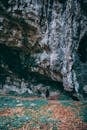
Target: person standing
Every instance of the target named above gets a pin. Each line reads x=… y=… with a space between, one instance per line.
x=47 y=94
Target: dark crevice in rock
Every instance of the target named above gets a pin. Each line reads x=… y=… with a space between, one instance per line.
x=5 y=3
x=82 y=49
x=84 y=6
x=62 y=1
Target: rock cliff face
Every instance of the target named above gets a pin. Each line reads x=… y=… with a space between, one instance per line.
x=47 y=37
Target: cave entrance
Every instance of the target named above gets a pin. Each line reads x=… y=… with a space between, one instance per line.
x=82 y=49
x=10 y=60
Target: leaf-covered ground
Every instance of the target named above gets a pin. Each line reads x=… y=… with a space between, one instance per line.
x=18 y=113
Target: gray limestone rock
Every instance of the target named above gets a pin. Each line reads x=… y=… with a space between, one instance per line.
x=47 y=37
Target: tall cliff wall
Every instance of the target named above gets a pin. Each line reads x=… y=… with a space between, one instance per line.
x=47 y=37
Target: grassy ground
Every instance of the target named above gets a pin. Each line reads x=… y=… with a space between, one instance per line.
x=20 y=113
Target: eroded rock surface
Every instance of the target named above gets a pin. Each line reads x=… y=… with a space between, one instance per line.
x=47 y=37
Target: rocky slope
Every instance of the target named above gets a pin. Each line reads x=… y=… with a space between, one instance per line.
x=47 y=37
